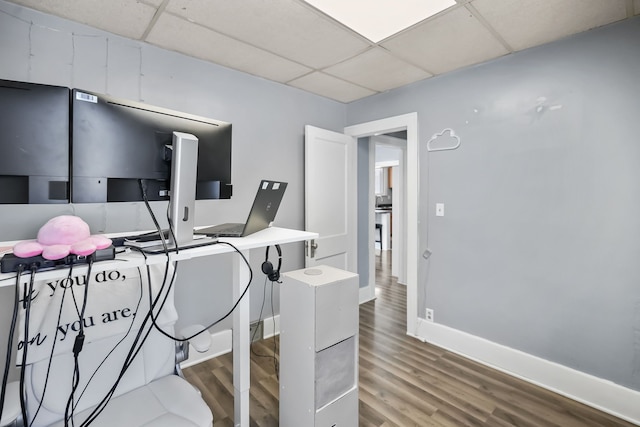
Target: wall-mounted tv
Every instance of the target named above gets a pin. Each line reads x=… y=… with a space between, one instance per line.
x=117 y=142
x=34 y=143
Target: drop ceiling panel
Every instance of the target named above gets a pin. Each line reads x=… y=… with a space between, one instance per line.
x=128 y=18
x=331 y=87
x=527 y=23
x=284 y=27
x=378 y=70
x=447 y=42
x=174 y=33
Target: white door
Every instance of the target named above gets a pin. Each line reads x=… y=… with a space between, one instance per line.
x=330 y=198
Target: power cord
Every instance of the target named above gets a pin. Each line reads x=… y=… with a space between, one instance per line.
x=53 y=347
x=77 y=348
x=12 y=328
x=26 y=305
x=251 y=346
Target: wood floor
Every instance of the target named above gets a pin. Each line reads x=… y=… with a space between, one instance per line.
x=402 y=381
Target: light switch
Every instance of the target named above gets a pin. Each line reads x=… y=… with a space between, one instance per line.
x=439 y=209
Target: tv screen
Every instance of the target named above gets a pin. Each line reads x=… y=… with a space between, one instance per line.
x=34 y=143
x=117 y=142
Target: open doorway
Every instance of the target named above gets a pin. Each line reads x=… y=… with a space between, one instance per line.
x=389 y=207
x=366 y=221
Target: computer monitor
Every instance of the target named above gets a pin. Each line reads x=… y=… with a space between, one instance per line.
x=116 y=143
x=34 y=143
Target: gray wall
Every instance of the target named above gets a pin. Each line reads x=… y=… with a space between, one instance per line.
x=540 y=244
x=268 y=124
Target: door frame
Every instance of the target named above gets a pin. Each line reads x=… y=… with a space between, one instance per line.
x=391 y=124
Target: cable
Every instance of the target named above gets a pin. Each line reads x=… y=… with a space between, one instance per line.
x=53 y=347
x=143 y=189
x=133 y=351
x=77 y=348
x=26 y=304
x=235 y=305
x=251 y=347
x=12 y=328
x=95 y=372
x=275 y=345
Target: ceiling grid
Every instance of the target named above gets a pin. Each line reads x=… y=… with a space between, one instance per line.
x=294 y=43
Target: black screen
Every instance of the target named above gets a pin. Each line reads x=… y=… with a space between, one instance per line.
x=116 y=143
x=34 y=143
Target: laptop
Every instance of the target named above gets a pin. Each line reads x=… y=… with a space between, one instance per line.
x=263 y=212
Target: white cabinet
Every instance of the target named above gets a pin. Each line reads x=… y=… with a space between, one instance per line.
x=319 y=348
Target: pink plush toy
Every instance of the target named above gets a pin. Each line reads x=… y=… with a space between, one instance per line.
x=61 y=236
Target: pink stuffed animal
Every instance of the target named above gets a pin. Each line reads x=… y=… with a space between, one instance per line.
x=61 y=236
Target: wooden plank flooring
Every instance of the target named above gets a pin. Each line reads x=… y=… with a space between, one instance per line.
x=402 y=381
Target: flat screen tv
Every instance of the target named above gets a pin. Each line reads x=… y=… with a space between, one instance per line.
x=117 y=142
x=34 y=143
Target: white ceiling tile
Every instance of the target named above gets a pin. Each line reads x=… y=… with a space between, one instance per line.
x=378 y=70
x=330 y=87
x=527 y=23
x=450 y=41
x=128 y=18
x=285 y=27
x=174 y=33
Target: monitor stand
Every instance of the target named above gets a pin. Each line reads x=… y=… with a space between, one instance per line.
x=182 y=196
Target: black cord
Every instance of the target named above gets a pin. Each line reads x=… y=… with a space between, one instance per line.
x=26 y=303
x=53 y=347
x=235 y=305
x=104 y=360
x=138 y=342
x=77 y=348
x=12 y=328
x=264 y=299
x=276 y=366
x=143 y=189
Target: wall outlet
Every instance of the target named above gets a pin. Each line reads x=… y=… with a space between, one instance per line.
x=429 y=315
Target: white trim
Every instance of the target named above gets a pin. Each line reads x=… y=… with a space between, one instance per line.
x=220 y=344
x=410 y=123
x=271 y=326
x=596 y=392
x=387 y=164
x=222 y=341
x=365 y=294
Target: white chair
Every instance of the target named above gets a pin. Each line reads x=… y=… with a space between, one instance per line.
x=150 y=393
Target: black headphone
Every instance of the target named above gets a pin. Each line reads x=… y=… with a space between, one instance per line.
x=267 y=267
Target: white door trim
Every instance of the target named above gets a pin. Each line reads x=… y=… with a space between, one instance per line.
x=410 y=123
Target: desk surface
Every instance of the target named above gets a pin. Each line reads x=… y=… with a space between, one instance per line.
x=267 y=237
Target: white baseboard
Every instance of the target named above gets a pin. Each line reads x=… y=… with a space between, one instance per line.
x=596 y=392
x=365 y=295
x=221 y=343
x=271 y=326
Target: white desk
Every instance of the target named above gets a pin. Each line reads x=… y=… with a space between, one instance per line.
x=241 y=315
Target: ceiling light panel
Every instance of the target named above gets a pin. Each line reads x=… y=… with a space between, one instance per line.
x=287 y=28
x=382 y=18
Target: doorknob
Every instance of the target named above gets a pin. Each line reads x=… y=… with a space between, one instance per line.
x=311 y=248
